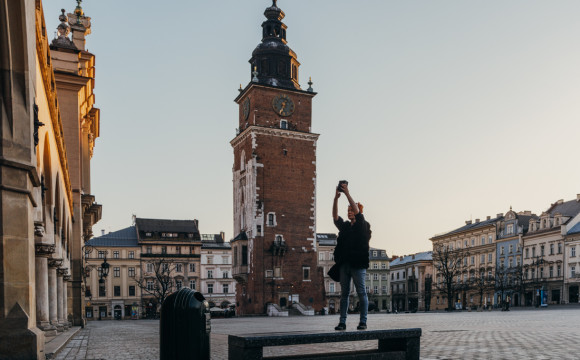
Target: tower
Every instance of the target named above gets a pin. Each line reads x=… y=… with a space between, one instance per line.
x=274 y=181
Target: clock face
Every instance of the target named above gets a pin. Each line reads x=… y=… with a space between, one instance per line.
x=246 y=108
x=283 y=105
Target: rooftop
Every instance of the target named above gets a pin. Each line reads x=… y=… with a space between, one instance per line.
x=422 y=256
x=122 y=238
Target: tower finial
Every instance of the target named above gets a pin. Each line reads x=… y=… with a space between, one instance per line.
x=310 y=89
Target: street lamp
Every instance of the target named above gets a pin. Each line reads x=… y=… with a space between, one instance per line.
x=103 y=275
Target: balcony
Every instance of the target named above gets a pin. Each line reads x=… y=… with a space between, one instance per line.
x=240 y=273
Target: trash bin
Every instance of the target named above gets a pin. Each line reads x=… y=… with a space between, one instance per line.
x=185 y=326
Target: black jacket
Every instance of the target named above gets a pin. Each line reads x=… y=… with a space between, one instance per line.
x=352 y=245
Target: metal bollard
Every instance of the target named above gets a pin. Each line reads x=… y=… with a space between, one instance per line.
x=185 y=326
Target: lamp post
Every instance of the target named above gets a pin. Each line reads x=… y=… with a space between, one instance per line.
x=103 y=275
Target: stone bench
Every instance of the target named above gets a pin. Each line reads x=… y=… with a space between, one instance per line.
x=393 y=344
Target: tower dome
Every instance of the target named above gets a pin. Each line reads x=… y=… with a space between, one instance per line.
x=273 y=60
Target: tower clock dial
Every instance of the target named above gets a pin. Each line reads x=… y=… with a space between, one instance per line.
x=246 y=108
x=283 y=105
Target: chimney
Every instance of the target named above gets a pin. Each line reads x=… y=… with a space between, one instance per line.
x=221 y=238
x=102 y=232
x=196 y=222
x=499 y=215
x=477 y=221
x=413 y=256
x=560 y=202
x=467 y=222
x=488 y=217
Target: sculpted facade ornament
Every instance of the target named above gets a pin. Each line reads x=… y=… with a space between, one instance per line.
x=55 y=263
x=63 y=30
x=39 y=229
x=44 y=249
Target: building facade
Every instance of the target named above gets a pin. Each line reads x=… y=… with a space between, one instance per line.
x=378 y=281
x=217 y=283
x=509 y=282
x=571 y=262
x=274 y=180
x=411 y=282
x=117 y=294
x=326 y=243
x=544 y=256
x=170 y=259
x=462 y=257
x=41 y=184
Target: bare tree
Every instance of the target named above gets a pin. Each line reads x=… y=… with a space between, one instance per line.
x=159 y=283
x=505 y=281
x=482 y=284
x=449 y=266
x=520 y=283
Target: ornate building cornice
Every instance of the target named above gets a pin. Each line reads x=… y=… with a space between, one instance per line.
x=285 y=133
x=49 y=82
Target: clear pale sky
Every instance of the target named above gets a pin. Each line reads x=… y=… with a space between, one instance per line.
x=436 y=112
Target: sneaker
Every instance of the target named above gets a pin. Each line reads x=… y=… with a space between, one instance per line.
x=361 y=326
x=340 y=326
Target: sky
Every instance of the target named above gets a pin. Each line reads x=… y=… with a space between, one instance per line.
x=436 y=112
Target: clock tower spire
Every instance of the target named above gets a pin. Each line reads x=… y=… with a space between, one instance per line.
x=274 y=180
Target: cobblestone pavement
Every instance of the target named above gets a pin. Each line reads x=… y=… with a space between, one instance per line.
x=523 y=334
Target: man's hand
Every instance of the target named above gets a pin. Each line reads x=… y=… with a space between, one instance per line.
x=345 y=189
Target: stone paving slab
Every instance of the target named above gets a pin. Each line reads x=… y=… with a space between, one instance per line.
x=526 y=334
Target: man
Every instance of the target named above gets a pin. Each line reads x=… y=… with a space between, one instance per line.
x=352 y=255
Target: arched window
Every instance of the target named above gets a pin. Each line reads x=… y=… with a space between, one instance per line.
x=243 y=161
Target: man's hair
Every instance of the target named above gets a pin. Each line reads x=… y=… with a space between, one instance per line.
x=360 y=207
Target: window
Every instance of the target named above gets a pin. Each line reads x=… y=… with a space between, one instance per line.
x=191 y=268
x=225 y=274
x=149 y=249
x=383 y=266
x=375 y=253
x=210 y=259
x=116 y=290
x=331 y=287
x=192 y=284
x=101 y=254
x=225 y=260
x=259 y=229
x=178 y=249
x=482 y=258
x=490 y=257
x=131 y=254
x=465 y=261
x=501 y=251
x=384 y=289
x=483 y=240
x=149 y=267
x=277 y=272
x=178 y=284
x=192 y=249
x=534 y=251
x=533 y=273
x=131 y=272
x=511 y=248
x=510 y=229
x=511 y=262
x=405 y=274
x=305 y=273
x=117 y=272
x=210 y=274
x=148 y=234
x=179 y=267
x=269 y=273
x=165 y=268
x=225 y=288
x=102 y=291
x=393 y=276
x=368 y=289
x=244 y=254
x=542 y=250
x=87 y=254
x=375 y=276
x=115 y=254
x=489 y=239
x=321 y=256
x=472 y=241
x=283 y=124
x=527 y=253
x=465 y=243
x=573 y=271
x=551 y=271
x=541 y=273
x=384 y=277
x=376 y=289
x=210 y=288
x=164 y=249
x=573 y=251
x=559 y=270
x=375 y=266
x=132 y=290
x=551 y=249
x=473 y=260
x=271 y=219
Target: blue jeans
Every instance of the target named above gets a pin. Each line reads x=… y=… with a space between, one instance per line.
x=358 y=277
